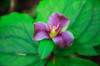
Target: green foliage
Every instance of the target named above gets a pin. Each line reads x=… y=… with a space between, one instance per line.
x=74 y=49
x=16 y=44
x=16 y=33
x=45 y=48
x=84 y=19
x=71 y=62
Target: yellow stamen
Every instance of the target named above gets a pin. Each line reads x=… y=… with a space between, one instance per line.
x=53 y=32
x=50 y=28
x=54 y=27
x=58 y=31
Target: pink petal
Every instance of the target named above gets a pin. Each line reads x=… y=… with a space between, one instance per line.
x=56 y=19
x=41 y=31
x=68 y=38
x=41 y=26
x=59 y=41
x=40 y=35
x=64 y=39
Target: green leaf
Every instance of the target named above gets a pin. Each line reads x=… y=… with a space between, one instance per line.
x=15 y=60
x=71 y=62
x=45 y=48
x=16 y=44
x=64 y=52
x=84 y=19
x=74 y=49
x=85 y=50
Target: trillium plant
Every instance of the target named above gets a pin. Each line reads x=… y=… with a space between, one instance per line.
x=56 y=37
x=55 y=29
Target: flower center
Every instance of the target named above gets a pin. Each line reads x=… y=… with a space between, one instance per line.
x=54 y=31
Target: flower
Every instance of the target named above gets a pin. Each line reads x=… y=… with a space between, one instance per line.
x=55 y=29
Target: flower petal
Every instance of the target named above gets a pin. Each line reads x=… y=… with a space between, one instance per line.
x=59 y=41
x=40 y=26
x=41 y=31
x=40 y=35
x=68 y=38
x=58 y=19
x=64 y=39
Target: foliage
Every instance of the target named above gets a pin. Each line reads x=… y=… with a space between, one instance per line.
x=71 y=62
x=84 y=19
x=45 y=48
x=17 y=30
x=16 y=44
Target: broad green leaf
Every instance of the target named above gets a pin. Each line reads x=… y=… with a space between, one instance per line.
x=16 y=44
x=84 y=19
x=45 y=48
x=16 y=33
x=74 y=49
x=85 y=50
x=64 y=52
x=15 y=60
x=71 y=62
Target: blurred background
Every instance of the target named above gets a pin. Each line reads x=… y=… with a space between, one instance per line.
x=29 y=7
x=21 y=6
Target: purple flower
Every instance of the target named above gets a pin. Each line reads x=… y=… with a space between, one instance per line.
x=55 y=29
